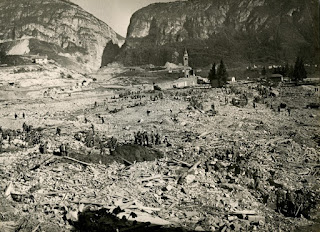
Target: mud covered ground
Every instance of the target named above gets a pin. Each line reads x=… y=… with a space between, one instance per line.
x=228 y=169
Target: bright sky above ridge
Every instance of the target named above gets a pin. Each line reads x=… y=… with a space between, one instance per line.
x=116 y=13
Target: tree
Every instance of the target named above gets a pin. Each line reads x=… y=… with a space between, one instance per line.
x=264 y=71
x=286 y=70
x=212 y=74
x=2 y=57
x=290 y=72
x=299 y=72
x=222 y=74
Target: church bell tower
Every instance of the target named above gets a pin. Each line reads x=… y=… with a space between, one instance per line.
x=186 y=63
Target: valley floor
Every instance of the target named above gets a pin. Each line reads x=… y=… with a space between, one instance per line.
x=228 y=169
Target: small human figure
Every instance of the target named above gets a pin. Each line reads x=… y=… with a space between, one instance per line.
x=23 y=115
x=139 y=139
x=146 y=139
x=43 y=147
x=58 y=131
x=113 y=143
x=63 y=150
x=135 y=138
x=102 y=149
x=67 y=149
x=152 y=138
x=1 y=144
x=24 y=126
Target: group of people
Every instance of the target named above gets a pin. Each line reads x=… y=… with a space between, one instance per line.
x=64 y=149
x=28 y=135
x=147 y=139
x=157 y=96
x=16 y=115
x=294 y=203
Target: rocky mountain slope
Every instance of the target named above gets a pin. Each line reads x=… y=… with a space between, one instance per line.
x=66 y=31
x=246 y=31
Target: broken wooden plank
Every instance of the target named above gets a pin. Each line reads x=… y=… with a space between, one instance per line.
x=151 y=178
x=77 y=161
x=126 y=161
x=243 y=212
x=145 y=217
x=42 y=163
x=184 y=175
x=182 y=162
x=9 y=189
x=36 y=228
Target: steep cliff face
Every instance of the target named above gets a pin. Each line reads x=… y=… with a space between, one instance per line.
x=236 y=30
x=57 y=22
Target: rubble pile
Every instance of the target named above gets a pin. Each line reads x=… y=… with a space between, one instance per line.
x=248 y=168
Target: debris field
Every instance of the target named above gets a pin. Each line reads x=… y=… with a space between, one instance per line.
x=226 y=159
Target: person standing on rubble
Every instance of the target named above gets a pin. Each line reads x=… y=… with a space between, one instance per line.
x=158 y=139
x=58 y=131
x=10 y=137
x=67 y=149
x=1 y=140
x=41 y=148
x=281 y=200
x=291 y=196
x=256 y=178
x=146 y=138
x=63 y=149
x=24 y=126
x=135 y=138
x=92 y=128
x=113 y=143
x=139 y=140
x=23 y=115
x=142 y=139
x=152 y=137
x=102 y=148
x=165 y=139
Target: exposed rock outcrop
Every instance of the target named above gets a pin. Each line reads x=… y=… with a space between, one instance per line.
x=80 y=35
x=236 y=30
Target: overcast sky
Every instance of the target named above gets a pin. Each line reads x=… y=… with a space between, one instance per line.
x=116 y=13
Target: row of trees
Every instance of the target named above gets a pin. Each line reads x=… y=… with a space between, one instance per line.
x=218 y=76
x=296 y=73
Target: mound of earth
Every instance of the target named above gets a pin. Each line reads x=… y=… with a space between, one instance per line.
x=103 y=221
x=124 y=154
x=132 y=153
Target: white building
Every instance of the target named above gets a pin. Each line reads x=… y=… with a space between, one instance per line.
x=40 y=59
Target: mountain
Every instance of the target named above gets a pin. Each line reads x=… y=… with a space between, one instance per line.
x=57 y=28
x=239 y=31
